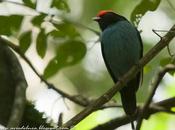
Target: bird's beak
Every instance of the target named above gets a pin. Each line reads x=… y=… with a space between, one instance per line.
x=96 y=18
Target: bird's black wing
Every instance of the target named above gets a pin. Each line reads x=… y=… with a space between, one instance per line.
x=107 y=65
x=140 y=74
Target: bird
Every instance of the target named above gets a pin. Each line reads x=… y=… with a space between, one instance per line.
x=122 y=48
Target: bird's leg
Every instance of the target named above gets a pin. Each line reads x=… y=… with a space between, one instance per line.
x=135 y=114
x=138 y=65
x=132 y=125
x=131 y=117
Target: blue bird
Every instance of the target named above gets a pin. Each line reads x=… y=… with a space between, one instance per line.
x=122 y=48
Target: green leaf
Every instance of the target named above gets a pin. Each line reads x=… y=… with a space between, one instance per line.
x=41 y=43
x=57 y=34
x=10 y=24
x=142 y=8
x=147 y=69
x=60 y=5
x=15 y=21
x=38 y=20
x=52 y=68
x=68 y=54
x=29 y=3
x=165 y=61
x=25 y=40
x=67 y=29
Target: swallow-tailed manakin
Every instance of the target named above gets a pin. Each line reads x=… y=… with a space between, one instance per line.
x=122 y=48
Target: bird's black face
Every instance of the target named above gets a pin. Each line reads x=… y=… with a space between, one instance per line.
x=106 y=18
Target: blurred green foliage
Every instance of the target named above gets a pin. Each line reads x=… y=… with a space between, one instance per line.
x=67 y=29
x=29 y=3
x=68 y=53
x=41 y=43
x=143 y=7
x=10 y=24
x=61 y=5
x=38 y=20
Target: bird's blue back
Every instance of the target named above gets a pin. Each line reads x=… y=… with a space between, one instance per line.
x=122 y=48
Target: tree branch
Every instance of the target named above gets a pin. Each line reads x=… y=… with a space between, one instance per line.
x=154 y=86
x=123 y=120
x=127 y=77
x=78 y=100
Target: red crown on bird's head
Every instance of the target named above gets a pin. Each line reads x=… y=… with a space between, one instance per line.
x=103 y=12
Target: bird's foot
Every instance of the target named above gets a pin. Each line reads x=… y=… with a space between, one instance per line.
x=120 y=79
x=138 y=66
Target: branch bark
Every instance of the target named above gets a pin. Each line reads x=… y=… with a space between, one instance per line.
x=128 y=76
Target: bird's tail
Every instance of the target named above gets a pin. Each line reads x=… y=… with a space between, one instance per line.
x=128 y=98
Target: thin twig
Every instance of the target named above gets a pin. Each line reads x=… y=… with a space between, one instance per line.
x=119 y=85
x=82 y=26
x=162 y=109
x=154 y=86
x=155 y=31
x=66 y=20
x=168 y=48
x=169 y=51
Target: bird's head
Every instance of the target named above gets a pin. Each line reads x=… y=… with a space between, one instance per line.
x=106 y=18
